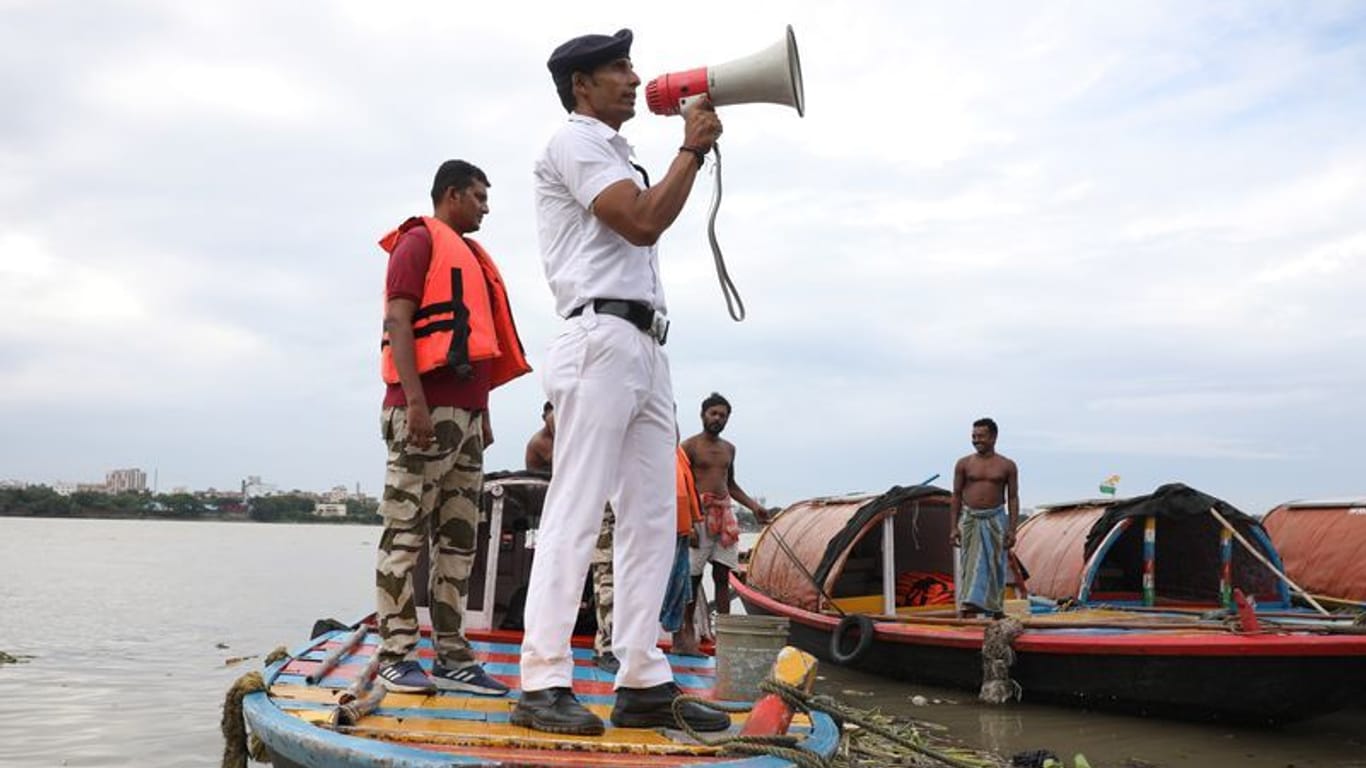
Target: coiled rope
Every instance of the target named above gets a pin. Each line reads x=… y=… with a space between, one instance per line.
x=236 y=745
x=786 y=747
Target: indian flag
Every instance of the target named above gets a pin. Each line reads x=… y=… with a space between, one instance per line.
x=1107 y=486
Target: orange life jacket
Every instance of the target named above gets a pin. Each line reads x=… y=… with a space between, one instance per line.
x=918 y=588
x=464 y=315
x=689 y=508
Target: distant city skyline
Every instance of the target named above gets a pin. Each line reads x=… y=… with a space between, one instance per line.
x=133 y=480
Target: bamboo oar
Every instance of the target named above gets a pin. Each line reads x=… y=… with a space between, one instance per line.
x=1045 y=624
x=330 y=660
x=1328 y=629
x=1262 y=559
x=363 y=697
x=1342 y=601
x=363 y=680
x=352 y=711
x=1201 y=611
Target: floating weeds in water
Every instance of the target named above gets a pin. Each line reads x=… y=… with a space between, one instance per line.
x=852 y=692
x=233 y=661
x=5 y=658
x=1079 y=762
x=873 y=739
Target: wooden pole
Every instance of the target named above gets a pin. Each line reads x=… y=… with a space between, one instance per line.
x=1262 y=559
x=1150 y=560
x=1341 y=601
x=1225 y=568
x=1041 y=622
x=1347 y=618
x=330 y=660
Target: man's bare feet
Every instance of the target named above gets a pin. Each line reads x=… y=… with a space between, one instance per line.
x=686 y=646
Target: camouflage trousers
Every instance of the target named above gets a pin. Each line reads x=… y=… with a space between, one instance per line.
x=601 y=566
x=431 y=500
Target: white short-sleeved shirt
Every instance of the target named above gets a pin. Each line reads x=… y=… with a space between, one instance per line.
x=584 y=259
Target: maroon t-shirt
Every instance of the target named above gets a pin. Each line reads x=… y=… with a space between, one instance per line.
x=405 y=279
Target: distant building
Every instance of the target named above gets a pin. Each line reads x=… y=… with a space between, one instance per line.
x=217 y=494
x=337 y=495
x=253 y=486
x=125 y=480
x=64 y=487
x=92 y=488
x=325 y=509
x=17 y=485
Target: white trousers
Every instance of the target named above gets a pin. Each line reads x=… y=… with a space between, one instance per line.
x=614 y=441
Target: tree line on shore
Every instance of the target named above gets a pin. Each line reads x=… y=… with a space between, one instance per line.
x=42 y=501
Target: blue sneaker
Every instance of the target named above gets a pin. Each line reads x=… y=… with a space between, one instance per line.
x=467 y=679
x=405 y=677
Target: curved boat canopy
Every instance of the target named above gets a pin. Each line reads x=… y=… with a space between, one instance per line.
x=1322 y=543
x=1163 y=548
x=836 y=548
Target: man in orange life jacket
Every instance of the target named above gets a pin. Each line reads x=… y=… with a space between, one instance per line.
x=448 y=339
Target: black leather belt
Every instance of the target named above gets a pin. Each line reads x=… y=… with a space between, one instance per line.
x=637 y=313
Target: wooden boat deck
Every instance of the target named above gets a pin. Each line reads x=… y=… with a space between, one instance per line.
x=466 y=729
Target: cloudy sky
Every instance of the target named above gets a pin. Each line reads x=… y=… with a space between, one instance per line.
x=1134 y=233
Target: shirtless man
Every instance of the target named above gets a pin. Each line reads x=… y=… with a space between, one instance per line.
x=718 y=535
x=985 y=483
x=540 y=449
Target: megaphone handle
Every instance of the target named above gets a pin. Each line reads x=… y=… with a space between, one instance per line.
x=734 y=305
x=685 y=103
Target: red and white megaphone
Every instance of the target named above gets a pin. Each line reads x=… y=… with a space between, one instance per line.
x=771 y=76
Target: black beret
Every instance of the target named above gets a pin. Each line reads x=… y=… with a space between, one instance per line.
x=583 y=54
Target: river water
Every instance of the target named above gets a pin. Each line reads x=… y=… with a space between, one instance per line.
x=128 y=626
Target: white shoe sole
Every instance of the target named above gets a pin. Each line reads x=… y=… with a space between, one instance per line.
x=448 y=685
x=398 y=688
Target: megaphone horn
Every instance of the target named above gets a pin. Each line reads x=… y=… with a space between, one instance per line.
x=771 y=76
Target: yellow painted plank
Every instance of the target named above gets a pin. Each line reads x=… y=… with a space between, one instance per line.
x=471 y=733
x=860 y=604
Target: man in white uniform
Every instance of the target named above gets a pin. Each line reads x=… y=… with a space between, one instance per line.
x=608 y=380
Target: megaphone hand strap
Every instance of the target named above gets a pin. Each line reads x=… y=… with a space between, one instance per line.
x=734 y=305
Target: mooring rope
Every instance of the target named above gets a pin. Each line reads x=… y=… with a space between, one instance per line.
x=997 y=658
x=237 y=747
x=785 y=747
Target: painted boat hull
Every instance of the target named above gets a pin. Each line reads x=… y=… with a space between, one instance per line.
x=1234 y=678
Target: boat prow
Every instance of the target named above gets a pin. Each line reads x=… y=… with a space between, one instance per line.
x=296 y=717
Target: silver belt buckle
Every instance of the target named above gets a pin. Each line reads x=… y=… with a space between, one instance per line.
x=659 y=327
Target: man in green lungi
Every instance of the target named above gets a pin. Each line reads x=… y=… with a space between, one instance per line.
x=985 y=484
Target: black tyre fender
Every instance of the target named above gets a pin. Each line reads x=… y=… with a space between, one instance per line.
x=838 y=644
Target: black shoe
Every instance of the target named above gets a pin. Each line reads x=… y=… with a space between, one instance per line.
x=555 y=710
x=607 y=662
x=653 y=708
